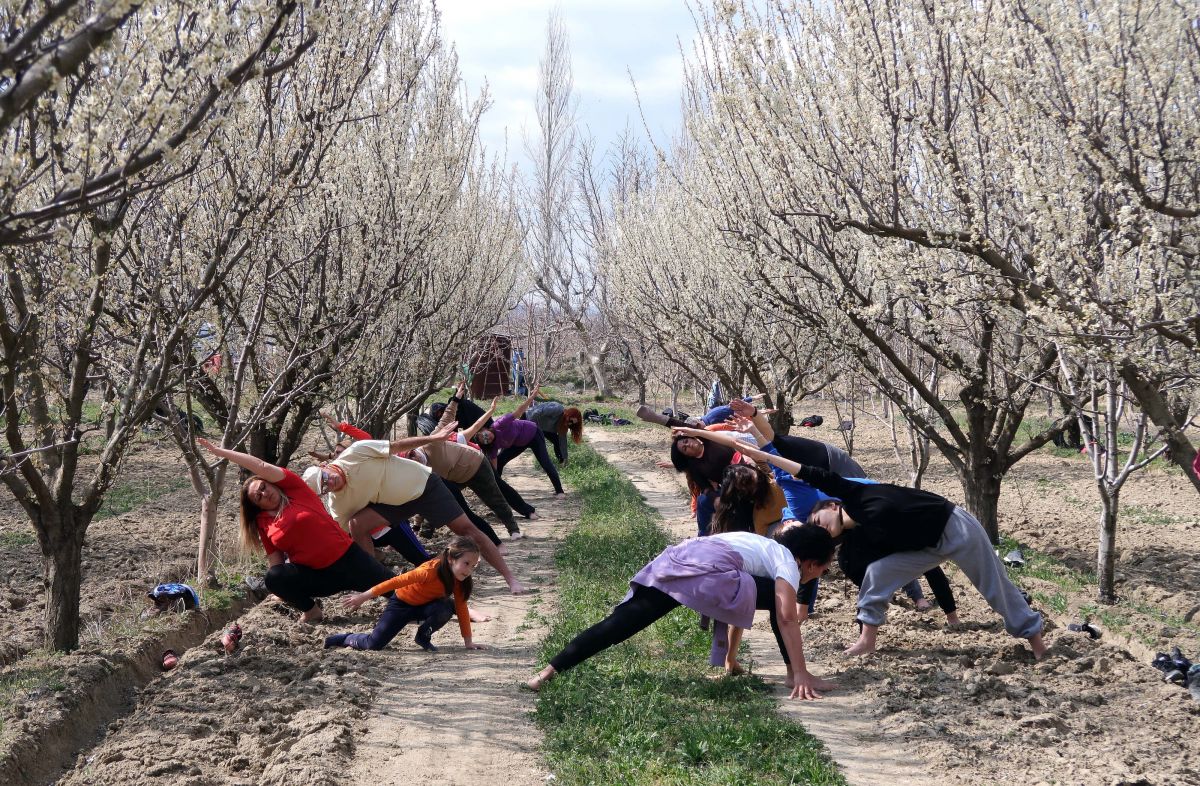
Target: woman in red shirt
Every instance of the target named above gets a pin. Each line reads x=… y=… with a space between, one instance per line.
x=309 y=554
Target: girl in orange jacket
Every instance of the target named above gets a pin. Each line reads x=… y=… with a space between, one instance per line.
x=431 y=594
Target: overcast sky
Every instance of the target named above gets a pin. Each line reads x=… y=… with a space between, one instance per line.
x=501 y=42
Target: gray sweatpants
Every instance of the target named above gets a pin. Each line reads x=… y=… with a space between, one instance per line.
x=965 y=544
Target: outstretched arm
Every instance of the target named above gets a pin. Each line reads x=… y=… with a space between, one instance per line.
x=411 y=443
x=519 y=411
x=748 y=410
x=451 y=410
x=806 y=685
x=252 y=464
x=727 y=438
x=474 y=429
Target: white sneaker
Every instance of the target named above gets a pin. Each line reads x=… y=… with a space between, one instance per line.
x=516 y=535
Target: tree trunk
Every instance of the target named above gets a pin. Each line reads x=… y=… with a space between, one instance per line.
x=981 y=486
x=782 y=420
x=1106 y=557
x=264 y=444
x=642 y=391
x=62 y=564
x=209 y=503
x=596 y=362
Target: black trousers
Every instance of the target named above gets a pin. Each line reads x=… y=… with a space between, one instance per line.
x=646 y=607
x=540 y=452
x=396 y=615
x=514 y=498
x=298 y=585
x=479 y=521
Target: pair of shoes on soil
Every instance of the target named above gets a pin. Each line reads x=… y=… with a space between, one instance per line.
x=1085 y=627
x=1014 y=559
x=1175 y=667
x=424 y=634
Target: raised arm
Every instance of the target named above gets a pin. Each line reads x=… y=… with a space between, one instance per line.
x=448 y=414
x=520 y=411
x=747 y=409
x=420 y=441
x=252 y=464
x=345 y=428
x=474 y=429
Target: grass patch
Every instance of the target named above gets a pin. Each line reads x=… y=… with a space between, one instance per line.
x=125 y=497
x=644 y=712
x=1046 y=568
x=17 y=539
x=1141 y=514
x=35 y=675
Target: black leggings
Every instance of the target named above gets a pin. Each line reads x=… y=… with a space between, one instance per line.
x=479 y=521
x=538 y=446
x=514 y=499
x=299 y=584
x=401 y=538
x=647 y=606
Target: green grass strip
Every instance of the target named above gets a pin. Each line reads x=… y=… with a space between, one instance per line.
x=644 y=712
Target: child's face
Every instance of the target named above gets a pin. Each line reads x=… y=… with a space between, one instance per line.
x=464 y=566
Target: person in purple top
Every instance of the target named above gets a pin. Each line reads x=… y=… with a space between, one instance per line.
x=725 y=577
x=509 y=436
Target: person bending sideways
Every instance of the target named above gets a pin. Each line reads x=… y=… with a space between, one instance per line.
x=725 y=577
x=430 y=595
x=922 y=530
x=556 y=421
x=310 y=556
x=369 y=487
x=509 y=436
x=855 y=553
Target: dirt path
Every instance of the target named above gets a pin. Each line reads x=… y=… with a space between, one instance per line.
x=458 y=717
x=839 y=720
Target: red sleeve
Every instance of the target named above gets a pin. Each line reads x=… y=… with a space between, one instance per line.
x=268 y=547
x=352 y=431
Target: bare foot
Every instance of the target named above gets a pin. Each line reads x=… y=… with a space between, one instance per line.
x=1038 y=646
x=733 y=668
x=478 y=616
x=560 y=493
x=534 y=517
x=500 y=547
x=315 y=615
x=859 y=648
x=536 y=682
x=924 y=605
x=866 y=641
x=952 y=619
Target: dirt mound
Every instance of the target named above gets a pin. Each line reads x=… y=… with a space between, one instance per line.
x=276 y=712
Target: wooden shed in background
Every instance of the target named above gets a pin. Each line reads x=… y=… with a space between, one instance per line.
x=490 y=362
